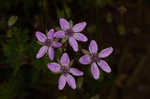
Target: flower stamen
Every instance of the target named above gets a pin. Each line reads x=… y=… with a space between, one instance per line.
x=69 y=32
x=48 y=42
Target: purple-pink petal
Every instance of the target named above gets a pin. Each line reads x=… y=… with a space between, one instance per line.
x=104 y=66
x=93 y=47
x=80 y=37
x=40 y=36
x=50 y=34
x=79 y=27
x=41 y=52
x=85 y=59
x=105 y=52
x=54 y=67
x=51 y=53
x=71 y=81
x=73 y=43
x=65 y=60
x=56 y=44
x=61 y=82
x=59 y=34
x=95 y=71
x=76 y=72
x=64 y=24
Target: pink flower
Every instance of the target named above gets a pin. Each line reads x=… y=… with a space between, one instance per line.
x=65 y=70
x=95 y=59
x=73 y=33
x=48 y=44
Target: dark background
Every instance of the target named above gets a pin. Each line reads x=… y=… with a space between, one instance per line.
x=122 y=24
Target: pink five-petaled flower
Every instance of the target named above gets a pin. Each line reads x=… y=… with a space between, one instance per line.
x=48 y=44
x=72 y=33
x=95 y=58
x=65 y=70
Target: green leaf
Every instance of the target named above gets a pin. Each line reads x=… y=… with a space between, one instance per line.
x=12 y=20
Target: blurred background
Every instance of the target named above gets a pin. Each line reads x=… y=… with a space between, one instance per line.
x=122 y=24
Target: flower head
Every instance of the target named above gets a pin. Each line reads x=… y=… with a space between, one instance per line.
x=49 y=44
x=72 y=33
x=94 y=58
x=64 y=68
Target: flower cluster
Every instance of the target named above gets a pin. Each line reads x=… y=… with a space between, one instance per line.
x=63 y=67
